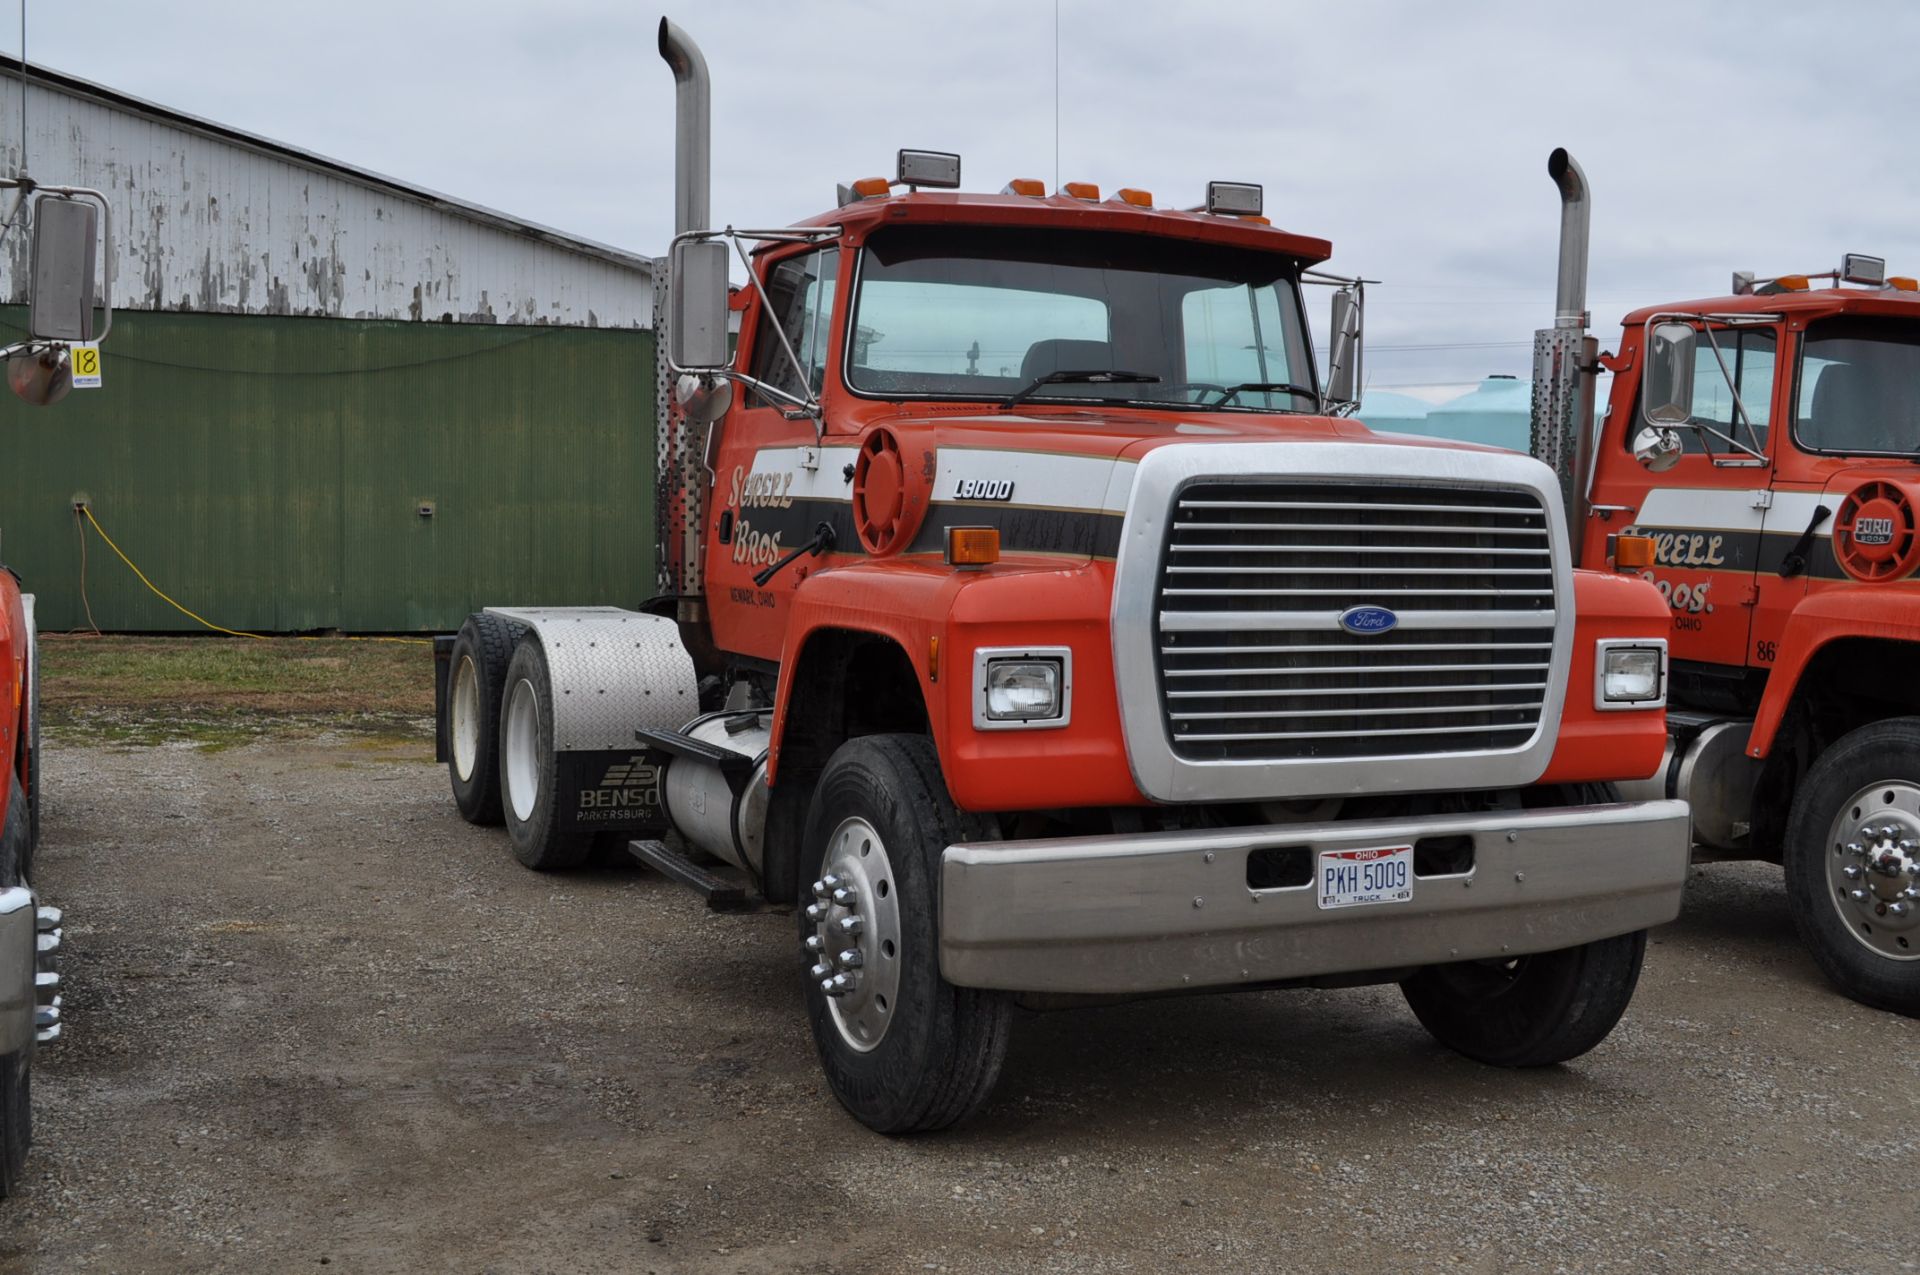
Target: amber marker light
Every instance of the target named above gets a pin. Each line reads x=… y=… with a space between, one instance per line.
x=972 y=546
x=1025 y=186
x=1082 y=190
x=869 y=187
x=1138 y=198
x=933 y=659
x=1631 y=553
x=1901 y=283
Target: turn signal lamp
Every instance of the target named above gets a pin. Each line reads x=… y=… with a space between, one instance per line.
x=1901 y=283
x=1138 y=198
x=1631 y=553
x=973 y=546
x=1025 y=186
x=1082 y=190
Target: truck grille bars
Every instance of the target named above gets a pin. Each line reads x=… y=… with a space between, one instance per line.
x=1255 y=663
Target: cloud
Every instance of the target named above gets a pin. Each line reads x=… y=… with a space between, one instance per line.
x=1725 y=135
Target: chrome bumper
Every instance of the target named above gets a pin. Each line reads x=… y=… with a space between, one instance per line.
x=1161 y=911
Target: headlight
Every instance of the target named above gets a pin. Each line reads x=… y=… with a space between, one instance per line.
x=1630 y=674
x=1021 y=687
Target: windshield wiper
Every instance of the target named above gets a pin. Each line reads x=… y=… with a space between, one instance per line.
x=1269 y=387
x=1112 y=376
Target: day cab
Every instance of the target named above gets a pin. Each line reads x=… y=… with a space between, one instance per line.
x=1035 y=617
x=1769 y=443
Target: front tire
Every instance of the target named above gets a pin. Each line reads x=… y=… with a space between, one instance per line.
x=1853 y=864
x=477 y=677
x=16 y=1068
x=529 y=779
x=904 y=1050
x=1532 y=1010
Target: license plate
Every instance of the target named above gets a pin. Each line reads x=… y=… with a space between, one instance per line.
x=1352 y=878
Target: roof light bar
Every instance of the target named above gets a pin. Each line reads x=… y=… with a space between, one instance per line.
x=1235 y=199
x=937 y=169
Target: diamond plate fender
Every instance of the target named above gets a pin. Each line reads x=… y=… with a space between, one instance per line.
x=614 y=672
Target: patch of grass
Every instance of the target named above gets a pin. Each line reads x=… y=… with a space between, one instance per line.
x=216 y=692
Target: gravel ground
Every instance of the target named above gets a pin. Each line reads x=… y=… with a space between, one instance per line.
x=317 y=1021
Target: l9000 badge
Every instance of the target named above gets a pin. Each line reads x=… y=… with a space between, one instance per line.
x=1367 y=621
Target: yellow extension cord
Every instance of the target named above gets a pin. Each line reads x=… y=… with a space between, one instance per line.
x=200 y=619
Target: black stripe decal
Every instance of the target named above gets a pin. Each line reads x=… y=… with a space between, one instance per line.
x=1082 y=533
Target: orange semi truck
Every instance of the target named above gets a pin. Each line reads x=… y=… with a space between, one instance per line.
x=1768 y=441
x=1034 y=619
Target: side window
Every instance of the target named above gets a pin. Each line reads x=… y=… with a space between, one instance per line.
x=1749 y=358
x=801 y=292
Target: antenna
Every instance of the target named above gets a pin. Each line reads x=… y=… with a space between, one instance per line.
x=1056 y=83
x=23 y=89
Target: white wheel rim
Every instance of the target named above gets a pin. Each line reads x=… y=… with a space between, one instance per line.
x=466 y=717
x=521 y=753
x=864 y=1006
x=1873 y=868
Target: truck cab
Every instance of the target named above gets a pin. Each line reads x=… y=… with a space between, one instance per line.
x=1768 y=441
x=1037 y=622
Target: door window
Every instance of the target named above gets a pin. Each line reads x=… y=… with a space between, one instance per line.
x=800 y=290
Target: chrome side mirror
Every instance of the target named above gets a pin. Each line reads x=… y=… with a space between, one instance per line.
x=65 y=235
x=1343 y=348
x=1666 y=388
x=703 y=398
x=697 y=306
x=1657 y=447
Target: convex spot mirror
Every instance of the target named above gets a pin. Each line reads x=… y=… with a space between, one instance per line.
x=1343 y=348
x=1657 y=447
x=697 y=309
x=65 y=240
x=1666 y=389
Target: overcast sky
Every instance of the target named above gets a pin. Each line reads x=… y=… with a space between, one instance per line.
x=1759 y=134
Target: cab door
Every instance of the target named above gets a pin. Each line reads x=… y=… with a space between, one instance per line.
x=772 y=485
x=1708 y=513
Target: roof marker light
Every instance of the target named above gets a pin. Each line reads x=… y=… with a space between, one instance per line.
x=1082 y=190
x=1901 y=283
x=1138 y=198
x=1238 y=199
x=1026 y=186
x=865 y=188
x=1792 y=283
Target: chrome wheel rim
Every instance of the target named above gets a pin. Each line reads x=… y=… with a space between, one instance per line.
x=521 y=773
x=1873 y=868
x=465 y=712
x=855 y=941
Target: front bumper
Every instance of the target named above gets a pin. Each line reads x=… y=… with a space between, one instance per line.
x=1163 y=911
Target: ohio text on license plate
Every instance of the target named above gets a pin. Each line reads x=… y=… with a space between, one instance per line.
x=1349 y=878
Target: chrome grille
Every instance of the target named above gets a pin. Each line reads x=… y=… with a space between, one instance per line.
x=1253 y=662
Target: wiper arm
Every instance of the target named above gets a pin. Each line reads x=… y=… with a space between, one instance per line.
x=1112 y=376
x=1268 y=387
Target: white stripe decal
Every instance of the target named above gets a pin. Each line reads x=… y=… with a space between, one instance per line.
x=1038 y=479
x=1717 y=509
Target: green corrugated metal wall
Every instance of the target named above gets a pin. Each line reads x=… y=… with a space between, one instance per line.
x=268 y=473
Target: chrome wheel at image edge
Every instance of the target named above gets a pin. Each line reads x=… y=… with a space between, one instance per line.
x=1873 y=868
x=855 y=944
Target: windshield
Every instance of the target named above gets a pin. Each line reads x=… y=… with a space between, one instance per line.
x=1860 y=387
x=986 y=313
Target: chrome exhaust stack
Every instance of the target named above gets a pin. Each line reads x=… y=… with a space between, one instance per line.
x=680 y=442
x=1565 y=358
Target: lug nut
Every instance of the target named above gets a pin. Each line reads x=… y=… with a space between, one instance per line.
x=815 y=945
x=827 y=987
x=1854 y=847
x=851 y=926
x=820 y=970
x=833 y=881
x=851 y=959
x=838 y=985
x=1851 y=872
x=49 y=943
x=1897 y=909
x=46 y=919
x=817 y=912
x=46 y=1016
x=845 y=896
x=820 y=890
x=1858 y=896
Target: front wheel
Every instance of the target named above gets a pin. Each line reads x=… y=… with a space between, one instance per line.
x=1531 y=1010
x=16 y=1068
x=1853 y=864
x=904 y=1050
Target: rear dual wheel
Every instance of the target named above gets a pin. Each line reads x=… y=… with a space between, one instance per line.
x=478 y=675
x=527 y=767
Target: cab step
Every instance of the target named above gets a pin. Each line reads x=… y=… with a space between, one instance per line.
x=723 y=893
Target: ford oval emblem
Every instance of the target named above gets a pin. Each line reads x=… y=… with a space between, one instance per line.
x=1367 y=620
